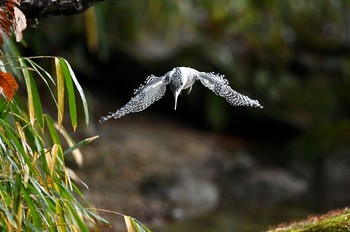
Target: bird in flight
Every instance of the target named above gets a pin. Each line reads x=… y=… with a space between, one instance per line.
x=180 y=78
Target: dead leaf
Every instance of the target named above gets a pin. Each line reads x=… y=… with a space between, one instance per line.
x=5 y=25
x=8 y=84
x=20 y=23
x=11 y=19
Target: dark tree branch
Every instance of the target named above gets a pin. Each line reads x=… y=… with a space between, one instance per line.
x=41 y=8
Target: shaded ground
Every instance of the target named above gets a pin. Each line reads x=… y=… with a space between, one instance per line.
x=161 y=172
x=137 y=159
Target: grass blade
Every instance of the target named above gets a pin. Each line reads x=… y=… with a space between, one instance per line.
x=134 y=225
x=51 y=126
x=71 y=94
x=31 y=206
x=34 y=103
x=139 y=226
x=69 y=74
x=79 y=144
x=129 y=225
x=76 y=152
x=60 y=91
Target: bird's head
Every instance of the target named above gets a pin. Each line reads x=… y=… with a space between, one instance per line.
x=176 y=82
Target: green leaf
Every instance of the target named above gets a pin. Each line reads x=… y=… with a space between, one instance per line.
x=79 y=144
x=60 y=91
x=40 y=71
x=34 y=103
x=11 y=48
x=71 y=94
x=69 y=77
x=31 y=206
x=12 y=140
x=76 y=152
x=62 y=223
x=77 y=218
x=44 y=76
x=139 y=226
x=134 y=225
x=33 y=196
x=80 y=91
x=17 y=201
x=9 y=215
x=51 y=126
x=129 y=224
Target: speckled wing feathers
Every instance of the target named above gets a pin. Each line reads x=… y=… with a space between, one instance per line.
x=151 y=91
x=180 y=78
x=220 y=86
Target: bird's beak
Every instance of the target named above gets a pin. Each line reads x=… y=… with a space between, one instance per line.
x=176 y=94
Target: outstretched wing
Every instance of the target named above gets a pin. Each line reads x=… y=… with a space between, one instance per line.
x=220 y=86
x=152 y=90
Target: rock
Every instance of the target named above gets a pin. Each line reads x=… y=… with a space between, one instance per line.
x=192 y=196
x=248 y=181
x=336 y=177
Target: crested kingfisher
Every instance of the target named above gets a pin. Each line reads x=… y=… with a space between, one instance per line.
x=180 y=78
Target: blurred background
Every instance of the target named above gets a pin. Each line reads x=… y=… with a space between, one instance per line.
x=209 y=166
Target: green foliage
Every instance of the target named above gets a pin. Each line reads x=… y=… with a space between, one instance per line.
x=36 y=190
x=333 y=221
x=133 y=225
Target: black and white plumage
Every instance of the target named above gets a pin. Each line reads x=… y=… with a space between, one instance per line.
x=178 y=79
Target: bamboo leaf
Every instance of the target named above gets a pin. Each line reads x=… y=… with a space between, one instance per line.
x=98 y=217
x=129 y=225
x=17 y=202
x=139 y=226
x=24 y=144
x=36 y=191
x=51 y=158
x=61 y=220
x=44 y=76
x=34 y=103
x=79 y=144
x=51 y=126
x=39 y=70
x=27 y=78
x=77 y=218
x=60 y=90
x=71 y=94
x=11 y=48
x=9 y=215
x=76 y=152
x=31 y=206
x=134 y=225
x=69 y=74
x=12 y=140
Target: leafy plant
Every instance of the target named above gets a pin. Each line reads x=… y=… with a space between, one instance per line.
x=133 y=225
x=36 y=188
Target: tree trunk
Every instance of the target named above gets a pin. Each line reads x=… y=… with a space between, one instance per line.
x=41 y=8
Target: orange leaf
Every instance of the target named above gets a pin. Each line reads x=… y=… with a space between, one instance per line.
x=8 y=84
x=11 y=18
x=5 y=25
